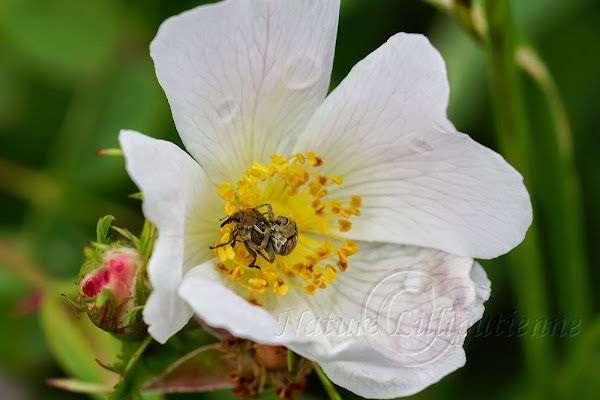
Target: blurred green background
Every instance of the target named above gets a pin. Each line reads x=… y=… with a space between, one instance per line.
x=73 y=73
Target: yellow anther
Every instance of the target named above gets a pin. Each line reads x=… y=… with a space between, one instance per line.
x=278 y=158
x=345 y=226
x=289 y=185
x=354 y=211
x=260 y=167
x=252 y=289
x=253 y=301
x=223 y=268
x=236 y=273
x=222 y=254
x=310 y=288
x=257 y=282
x=336 y=179
x=355 y=201
x=322 y=180
x=229 y=252
x=329 y=275
x=345 y=213
x=279 y=288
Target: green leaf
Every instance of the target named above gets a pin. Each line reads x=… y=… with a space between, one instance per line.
x=201 y=370
x=102 y=229
x=76 y=343
x=75 y=386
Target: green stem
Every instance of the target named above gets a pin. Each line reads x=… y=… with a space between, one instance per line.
x=559 y=199
x=526 y=263
x=563 y=194
x=327 y=384
x=135 y=356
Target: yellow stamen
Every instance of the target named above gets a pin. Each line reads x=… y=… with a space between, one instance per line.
x=296 y=191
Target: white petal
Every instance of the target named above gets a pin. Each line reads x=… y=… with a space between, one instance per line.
x=384 y=131
x=389 y=326
x=244 y=76
x=182 y=203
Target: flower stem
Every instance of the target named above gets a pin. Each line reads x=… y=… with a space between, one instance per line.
x=136 y=355
x=327 y=384
x=516 y=145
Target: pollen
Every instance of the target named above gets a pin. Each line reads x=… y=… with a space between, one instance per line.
x=295 y=190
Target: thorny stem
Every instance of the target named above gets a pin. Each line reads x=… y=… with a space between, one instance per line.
x=327 y=384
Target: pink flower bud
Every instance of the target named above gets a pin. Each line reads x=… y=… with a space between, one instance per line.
x=113 y=288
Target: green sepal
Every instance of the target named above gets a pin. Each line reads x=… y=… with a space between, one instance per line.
x=147 y=239
x=93 y=254
x=128 y=235
x=135 y=329
x=104 y=314
x=137 y=196
x=102 y=229
x=76 y=304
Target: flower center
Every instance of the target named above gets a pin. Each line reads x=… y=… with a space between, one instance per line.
x=305 y=258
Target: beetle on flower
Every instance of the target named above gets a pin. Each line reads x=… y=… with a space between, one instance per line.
x=378 y=181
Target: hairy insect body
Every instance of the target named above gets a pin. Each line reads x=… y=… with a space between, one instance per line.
x=284 y=235
x=275 y=236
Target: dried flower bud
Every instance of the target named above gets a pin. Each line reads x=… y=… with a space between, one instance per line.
x=260 y=367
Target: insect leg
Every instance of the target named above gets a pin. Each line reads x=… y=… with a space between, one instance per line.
x=253 y=254
x=269 y=212
x=232 y=239
x=271 y=252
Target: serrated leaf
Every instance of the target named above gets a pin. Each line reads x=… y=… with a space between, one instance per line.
x=102 y=229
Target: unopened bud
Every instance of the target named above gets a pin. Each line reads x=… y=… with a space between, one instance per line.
x=113 y=283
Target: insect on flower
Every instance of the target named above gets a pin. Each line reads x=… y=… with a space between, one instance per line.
x=273 y=235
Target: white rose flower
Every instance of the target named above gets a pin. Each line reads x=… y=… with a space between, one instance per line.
x=391 y=203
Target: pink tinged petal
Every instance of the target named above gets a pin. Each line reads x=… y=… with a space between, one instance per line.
x=182 y=203
x=244 y=76
x=384 y=130
x=392 y=324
